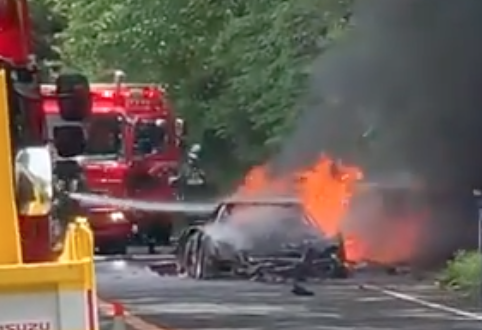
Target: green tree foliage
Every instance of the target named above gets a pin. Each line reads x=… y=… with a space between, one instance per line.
x=46 y=24
x=234 y=69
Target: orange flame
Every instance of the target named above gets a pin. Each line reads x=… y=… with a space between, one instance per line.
x=325 y=191
x=255 y=182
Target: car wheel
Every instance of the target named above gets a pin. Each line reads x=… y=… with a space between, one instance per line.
x=201 y=261
x=183 y=253
x=199 y=264
x=189 y=256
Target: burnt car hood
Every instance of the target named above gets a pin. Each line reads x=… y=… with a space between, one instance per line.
x=270 y=237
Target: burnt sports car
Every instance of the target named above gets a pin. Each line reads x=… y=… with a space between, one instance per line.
x=259 y=239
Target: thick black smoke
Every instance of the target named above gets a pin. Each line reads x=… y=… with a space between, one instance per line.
x=409 y=74
x=401 y=96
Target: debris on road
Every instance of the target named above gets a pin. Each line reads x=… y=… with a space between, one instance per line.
x=300 y=290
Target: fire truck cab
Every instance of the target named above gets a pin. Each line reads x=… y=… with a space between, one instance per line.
x=134 y=146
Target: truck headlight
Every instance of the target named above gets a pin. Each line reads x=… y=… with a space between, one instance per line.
x=117 y=216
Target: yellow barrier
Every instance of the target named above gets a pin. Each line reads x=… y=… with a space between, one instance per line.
x=75 y=264
x=61 y=293
x=10 y=251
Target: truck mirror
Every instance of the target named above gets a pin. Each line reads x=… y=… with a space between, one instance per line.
x=74 y=97
x=69 y=140
x=34 y=190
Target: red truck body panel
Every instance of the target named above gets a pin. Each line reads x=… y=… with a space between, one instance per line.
x=109 y=175
x=15 y=36
x=16 y=49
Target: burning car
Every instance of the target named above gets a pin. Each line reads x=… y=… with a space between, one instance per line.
x=259 y=239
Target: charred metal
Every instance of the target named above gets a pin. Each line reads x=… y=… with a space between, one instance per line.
x=294 y=250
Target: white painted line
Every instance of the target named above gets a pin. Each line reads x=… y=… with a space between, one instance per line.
x=402 y=296
x=100 y=258
x=155 y=257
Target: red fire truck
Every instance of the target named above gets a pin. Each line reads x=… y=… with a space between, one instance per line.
x=133 y=148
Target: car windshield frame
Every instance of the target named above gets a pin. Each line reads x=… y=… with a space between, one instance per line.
x=229 y=207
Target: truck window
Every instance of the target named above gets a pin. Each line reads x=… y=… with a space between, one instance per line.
x=54 y=120
x=149 y=137
x=104 y=136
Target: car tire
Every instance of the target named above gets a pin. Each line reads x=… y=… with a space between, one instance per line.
x=199 y=260
x=189 y=255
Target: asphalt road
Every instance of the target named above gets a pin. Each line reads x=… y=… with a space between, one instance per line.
x=184 y=304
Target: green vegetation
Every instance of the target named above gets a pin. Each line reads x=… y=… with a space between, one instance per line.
x=47 y=24
x=463 y=273
x=234 y=69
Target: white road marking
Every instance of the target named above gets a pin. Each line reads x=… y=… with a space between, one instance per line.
x=435 y=306
x=374 y=299
x=156 y=257
x=135 y=257
x=213 y=308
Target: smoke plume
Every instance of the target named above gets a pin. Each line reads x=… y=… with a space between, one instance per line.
x=407 y=75
x=401 y=95
x=263 y=228
x=244 y=228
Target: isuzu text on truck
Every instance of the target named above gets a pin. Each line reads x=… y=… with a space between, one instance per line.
x=134 y=147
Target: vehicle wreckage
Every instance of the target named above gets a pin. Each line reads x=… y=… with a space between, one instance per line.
x=266 y=240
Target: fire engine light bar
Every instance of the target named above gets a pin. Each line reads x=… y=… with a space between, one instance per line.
x=146 y=93
x=108 y=94
x=135 y=94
